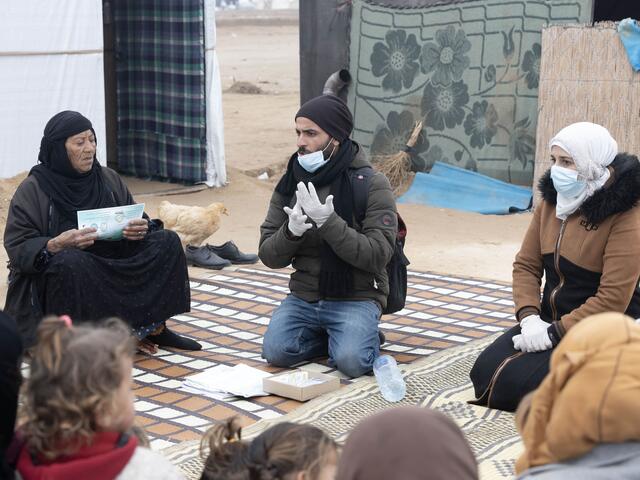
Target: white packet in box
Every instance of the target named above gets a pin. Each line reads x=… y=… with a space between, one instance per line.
x=299 y=378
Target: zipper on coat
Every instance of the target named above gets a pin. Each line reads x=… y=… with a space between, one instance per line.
x=556 y=264
x=494 y=378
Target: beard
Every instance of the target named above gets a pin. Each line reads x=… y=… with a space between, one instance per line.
x=328 y=151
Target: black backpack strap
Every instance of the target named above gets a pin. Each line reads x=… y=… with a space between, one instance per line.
x=360 y=180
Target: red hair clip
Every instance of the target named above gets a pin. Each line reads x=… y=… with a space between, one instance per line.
x=67 y=320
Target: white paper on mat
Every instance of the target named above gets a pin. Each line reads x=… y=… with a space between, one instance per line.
x=204 y=382
x=222 y=396
x=241 y=380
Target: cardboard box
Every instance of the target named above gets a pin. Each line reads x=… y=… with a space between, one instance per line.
x=301 y=393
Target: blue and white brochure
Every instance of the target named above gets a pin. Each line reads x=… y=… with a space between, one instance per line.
x=109 y=222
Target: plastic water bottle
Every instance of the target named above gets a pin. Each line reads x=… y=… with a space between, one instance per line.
x=389 y=378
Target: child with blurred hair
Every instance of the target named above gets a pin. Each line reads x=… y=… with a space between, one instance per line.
x=78 y=407
x=285 y=451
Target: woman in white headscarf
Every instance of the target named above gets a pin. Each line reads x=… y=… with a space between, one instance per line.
x=585 y=240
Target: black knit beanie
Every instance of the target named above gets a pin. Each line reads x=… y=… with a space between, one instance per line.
x=331 y=114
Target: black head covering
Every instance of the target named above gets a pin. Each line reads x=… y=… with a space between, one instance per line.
x=69 y=189
x=331 y=114
x=407 y=443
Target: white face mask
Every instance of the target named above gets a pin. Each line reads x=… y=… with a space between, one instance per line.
x=565 y=181
x=315 y=160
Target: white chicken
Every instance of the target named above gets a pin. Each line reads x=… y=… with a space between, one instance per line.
x=193 y=224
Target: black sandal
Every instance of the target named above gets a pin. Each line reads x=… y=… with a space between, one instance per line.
x=167 y=338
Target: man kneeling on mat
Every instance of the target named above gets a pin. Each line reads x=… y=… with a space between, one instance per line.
x=340 y=284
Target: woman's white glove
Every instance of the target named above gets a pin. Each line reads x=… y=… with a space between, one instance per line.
x=297 y=220
x=534 y=337
x=532 y=324
x=310 y=203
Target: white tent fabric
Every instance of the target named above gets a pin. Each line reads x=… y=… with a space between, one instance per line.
x=51 y=59
x=216 y=166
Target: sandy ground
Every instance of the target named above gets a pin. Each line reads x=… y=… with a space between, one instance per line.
x=259 y=136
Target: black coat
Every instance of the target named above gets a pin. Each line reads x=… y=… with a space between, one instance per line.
x=31 y=223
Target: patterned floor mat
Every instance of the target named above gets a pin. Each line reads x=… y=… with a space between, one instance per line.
x=229 y=314
x=440 y=381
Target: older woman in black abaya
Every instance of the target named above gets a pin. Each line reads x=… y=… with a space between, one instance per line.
x=55 y=268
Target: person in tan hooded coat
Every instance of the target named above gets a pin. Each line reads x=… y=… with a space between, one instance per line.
x=589 y=401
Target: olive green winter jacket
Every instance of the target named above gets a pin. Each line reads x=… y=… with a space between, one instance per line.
x=367 y=247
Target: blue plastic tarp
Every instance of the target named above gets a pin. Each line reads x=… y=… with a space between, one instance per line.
x=447 y=186
x=629 y=32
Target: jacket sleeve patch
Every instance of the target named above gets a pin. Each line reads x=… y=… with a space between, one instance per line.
x=387 y=220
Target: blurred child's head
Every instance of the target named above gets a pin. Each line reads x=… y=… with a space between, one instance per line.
x=291 y=451
x=226 y=459
x=79 y=384
x=285 y=451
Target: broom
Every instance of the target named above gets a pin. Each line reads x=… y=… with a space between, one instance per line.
x=397 y=167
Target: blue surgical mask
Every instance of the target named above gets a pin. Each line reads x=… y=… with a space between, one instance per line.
x=565 y=181
x=313 y=161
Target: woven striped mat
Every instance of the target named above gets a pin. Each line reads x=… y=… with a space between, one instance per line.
x=440 y=381
x=230 y=312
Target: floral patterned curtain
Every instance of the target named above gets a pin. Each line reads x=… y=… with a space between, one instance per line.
x=468 y=70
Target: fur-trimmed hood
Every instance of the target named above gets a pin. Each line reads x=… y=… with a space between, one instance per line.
x=620 y=196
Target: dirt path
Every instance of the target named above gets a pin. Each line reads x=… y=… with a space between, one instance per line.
x=259 y=134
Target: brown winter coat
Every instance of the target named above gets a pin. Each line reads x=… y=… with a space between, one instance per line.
x=591 y=261
x=368 y=248
x=590 y=396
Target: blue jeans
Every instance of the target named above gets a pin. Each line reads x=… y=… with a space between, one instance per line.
x=345 y=330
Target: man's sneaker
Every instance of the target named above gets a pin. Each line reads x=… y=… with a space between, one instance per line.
x=205 y=258
x=230 y=252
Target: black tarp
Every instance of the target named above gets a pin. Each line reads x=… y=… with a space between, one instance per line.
x=324 y=43
x=616 y=10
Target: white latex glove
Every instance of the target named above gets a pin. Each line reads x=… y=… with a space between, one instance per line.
x=537 y=342
x=532 y=324
x=310 y=203
x=517 y=342
x=535 y=337
x=297 y=220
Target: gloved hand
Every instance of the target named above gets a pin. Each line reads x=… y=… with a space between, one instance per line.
x=535 y=337
x=537 y=342
x=517 y=341
x=297 y=220
x=310 y=203
x=532 y=324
